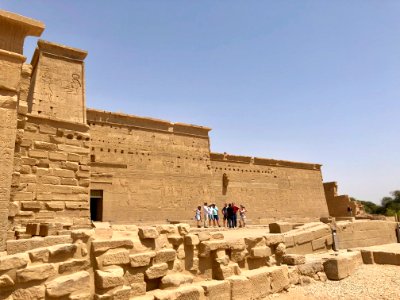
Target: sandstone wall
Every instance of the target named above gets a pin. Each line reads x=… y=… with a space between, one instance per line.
x=269 y=189
x=51 y=172
x=338 y=204
x=149 y=170
x=365 y=233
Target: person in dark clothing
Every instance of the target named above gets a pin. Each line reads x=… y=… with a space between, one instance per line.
x=234 y=216
x=229 y=213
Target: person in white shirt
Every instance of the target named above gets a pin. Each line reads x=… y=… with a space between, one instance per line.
x=205 y=213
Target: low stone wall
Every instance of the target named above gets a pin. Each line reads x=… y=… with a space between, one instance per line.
x=364 y=233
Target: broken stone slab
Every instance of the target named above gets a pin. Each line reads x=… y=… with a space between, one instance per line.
x=293 y=259
x=33 y=273
x=65 y=285
x=141 y=259
x=148 y=232
x=175 y=280
x=192 y=239
x=157 y=271
x=14 y=261
x=110 y=277
x=343 y=265
x=104 y=245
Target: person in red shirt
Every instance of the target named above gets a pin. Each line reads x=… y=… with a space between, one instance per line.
x=235 y=210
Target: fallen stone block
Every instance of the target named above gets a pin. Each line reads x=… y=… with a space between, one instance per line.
x=343 y=265
x=148 y=232
x=261 y=252
x=273 y=239
x=293 y=259
x=65 y=285
x=280 y=227
x=311 y=268
x=157 y=271
x=39 y=272
x=204 y=236
x=206 y=247
x=63 y=250
x=192 y=239
x=39 y=255
x=110 y=277
x=141 y=259
x=279 y=278
x=367 y=257
x=14 y=261
x=175 y=280
x=386 y=258
x=104 y=245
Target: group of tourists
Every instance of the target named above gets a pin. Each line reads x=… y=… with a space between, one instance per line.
x=209 y=215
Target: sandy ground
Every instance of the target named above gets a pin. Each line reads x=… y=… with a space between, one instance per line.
x=368 y=282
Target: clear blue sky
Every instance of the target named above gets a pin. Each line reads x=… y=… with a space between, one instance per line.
x=313 y=81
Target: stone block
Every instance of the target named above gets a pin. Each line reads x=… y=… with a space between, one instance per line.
x=216 y=289
x=15 y=261
x=31 y=205
x=343 y=265
x=238 y=255
x=141 y=259
x=204 y=236
x=73 y=265
x=280 y=227
x=367 y=257
x=148 y=232
x=30 y=293
x=104 y=245
x=62 y=250
x=386 y=257
x=273 y=239
x=319 y=244
x=192 y=239
x=254 y=241
x=260 y=252
x=33 y=228
x=138 y=289
x=206 y=247
x=175 y=239
x=39 y=255
x=65 y=285
x=279 y=278
x=238 y=244
x=217 y=235
x=183 y=228
x=311 y=268
x=115 y=257
x=175 y=280
x=157 y=271
x=260 y=282
x=241 y=287
x=165 y=255
x=110 y=277
x=303 y=237
x=293 y=259
x=34 y=273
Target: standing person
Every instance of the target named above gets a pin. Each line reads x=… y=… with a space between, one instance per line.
x=215 y=216
x=349 y=211
x=242 y=214
x=205 y=213
x=229 y=215
x=197 y=216
x=234 y=217
x=210 y=215
x=225 y=213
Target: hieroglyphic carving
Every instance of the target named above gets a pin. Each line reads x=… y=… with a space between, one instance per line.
x=58 y=89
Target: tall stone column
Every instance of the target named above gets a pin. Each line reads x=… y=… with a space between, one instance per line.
x=13 y=30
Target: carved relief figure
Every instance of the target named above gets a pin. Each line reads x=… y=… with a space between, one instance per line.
x=47 y=81
x=74 y=85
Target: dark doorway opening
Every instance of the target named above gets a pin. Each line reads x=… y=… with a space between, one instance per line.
x=96 y=205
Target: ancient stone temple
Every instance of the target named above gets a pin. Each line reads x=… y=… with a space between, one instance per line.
x=65 y=163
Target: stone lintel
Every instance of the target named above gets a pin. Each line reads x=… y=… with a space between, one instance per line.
x=14 y=28
x=61 y=50
x=263 y=161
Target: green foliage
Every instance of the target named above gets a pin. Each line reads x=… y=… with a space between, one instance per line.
x=390 y=206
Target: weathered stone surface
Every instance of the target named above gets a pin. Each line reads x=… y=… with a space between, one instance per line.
x=39 y=255
x=148 y=233
x=279 y=278
x=32 y=293
x=192 y=239
x=165 y=255
x=241 y=287
x=73 y=265
x=293 y=259
x=115 y=257
x=216 y=289
x=13 y=261
x=175 y=280
x=6 y=282
x=62 y=250
x=204 y=236
x=39 y=272
x=273 y=239
x=65 y=285
x=141 y=259
x=339 y=267
x=104 y=245
x=191 y=292
x=260 y=282
x=280 y=227
x=110 y=277
x=183 y=228
x=206 y=247
x=260 y=252
x=157 y=271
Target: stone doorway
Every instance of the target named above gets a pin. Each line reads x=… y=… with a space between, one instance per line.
x=96 y=205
